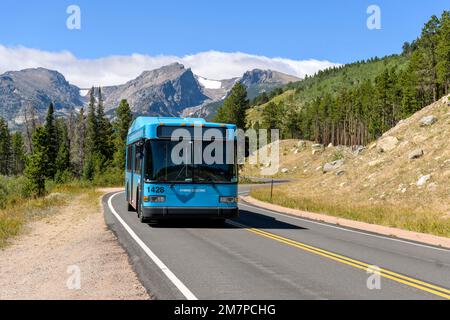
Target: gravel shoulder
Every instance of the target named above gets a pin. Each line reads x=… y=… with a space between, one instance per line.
x=43 y=263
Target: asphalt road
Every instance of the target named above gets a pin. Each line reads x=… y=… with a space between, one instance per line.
x=268 y=255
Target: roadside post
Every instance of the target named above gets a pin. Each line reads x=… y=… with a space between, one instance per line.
x=271 y=191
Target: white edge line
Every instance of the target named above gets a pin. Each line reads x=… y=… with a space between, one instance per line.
x=345 y=229
x=169 y=274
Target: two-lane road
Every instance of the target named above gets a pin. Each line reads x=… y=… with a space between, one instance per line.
x=268 y=255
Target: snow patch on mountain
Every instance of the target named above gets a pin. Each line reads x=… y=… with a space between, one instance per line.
x=209 y=84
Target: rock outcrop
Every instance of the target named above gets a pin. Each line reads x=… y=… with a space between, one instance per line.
x=387 y=144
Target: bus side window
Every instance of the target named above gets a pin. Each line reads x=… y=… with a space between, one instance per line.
x=129 y=158
x=137 y=159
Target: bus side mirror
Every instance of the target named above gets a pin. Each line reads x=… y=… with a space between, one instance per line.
x=140 y=148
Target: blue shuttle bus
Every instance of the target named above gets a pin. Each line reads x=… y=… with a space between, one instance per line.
x=160 y=188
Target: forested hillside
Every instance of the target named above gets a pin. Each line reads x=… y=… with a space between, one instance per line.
x=356 y=103
x=86 y=146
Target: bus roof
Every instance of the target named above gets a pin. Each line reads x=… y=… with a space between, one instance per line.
x=143 y=126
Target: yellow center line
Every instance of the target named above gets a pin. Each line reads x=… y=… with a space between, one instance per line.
x=415 y=283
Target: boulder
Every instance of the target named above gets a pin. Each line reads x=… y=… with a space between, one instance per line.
x=416 y=154
x=285 y=170
x=428 y=121
x=358 y=150
x=317 y=146
x=387 y=144
x=333 y=166
x=423 y=180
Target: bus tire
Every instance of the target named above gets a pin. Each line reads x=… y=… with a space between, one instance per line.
x=141 y=217
x=138 y=206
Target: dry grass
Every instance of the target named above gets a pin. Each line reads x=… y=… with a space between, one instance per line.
x=398 y=216
x=14 y=217
x=376 y=187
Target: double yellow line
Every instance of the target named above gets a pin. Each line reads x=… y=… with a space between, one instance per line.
x=418 y=284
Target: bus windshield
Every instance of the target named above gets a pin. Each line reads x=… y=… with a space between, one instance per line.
x=159 y=165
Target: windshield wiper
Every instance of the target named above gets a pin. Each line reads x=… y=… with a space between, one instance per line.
x=178 y=175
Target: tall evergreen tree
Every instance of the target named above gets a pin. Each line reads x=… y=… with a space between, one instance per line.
x=91 y=126
x=234 y=107
x=36 y=169
x=121 y=125
x=105 y=141
x=443 y=53
x=63 y=167
x=78 y=146
x=91 y=153
x=428 y=42
x=5 y=148
x=18 y=153
x=51 y=141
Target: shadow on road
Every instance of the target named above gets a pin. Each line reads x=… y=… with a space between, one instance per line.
x=249 y=219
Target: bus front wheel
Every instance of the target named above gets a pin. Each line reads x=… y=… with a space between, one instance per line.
x=139 y=211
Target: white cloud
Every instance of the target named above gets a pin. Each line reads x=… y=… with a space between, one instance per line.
x=113 y=70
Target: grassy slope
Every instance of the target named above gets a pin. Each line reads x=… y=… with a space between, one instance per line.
x=376 y=187
x=316 y=86
x=349 y=76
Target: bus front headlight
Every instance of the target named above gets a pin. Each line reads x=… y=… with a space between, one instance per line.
x=228 y=200
x=156 y=199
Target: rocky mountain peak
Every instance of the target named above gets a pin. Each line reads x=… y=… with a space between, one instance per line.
x=258 y=76
x=36 y=87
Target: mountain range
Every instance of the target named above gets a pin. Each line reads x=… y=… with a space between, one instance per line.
x=171 y=90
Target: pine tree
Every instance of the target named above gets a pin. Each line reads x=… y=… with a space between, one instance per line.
x=36 y=169
x=5 y=148
x=18 y=153
x=91 y=127
x=234 y=107
x=91 y=153
x=63 y=167
x=443 y=53
x=105 y=146
x=121 y=126
x=428 y=42
x=78 y=146
x=271 y=116
x=51 y=141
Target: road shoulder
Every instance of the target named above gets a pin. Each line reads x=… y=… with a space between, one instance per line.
x=357 y=225
x=45 y=262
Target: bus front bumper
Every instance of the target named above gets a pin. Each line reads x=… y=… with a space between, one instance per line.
x=189 y=213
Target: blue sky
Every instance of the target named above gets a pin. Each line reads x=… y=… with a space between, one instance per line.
x=325 y=30
x=331 y=30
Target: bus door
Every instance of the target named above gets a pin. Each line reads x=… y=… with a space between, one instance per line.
x=136 y=172
x=131 y=175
